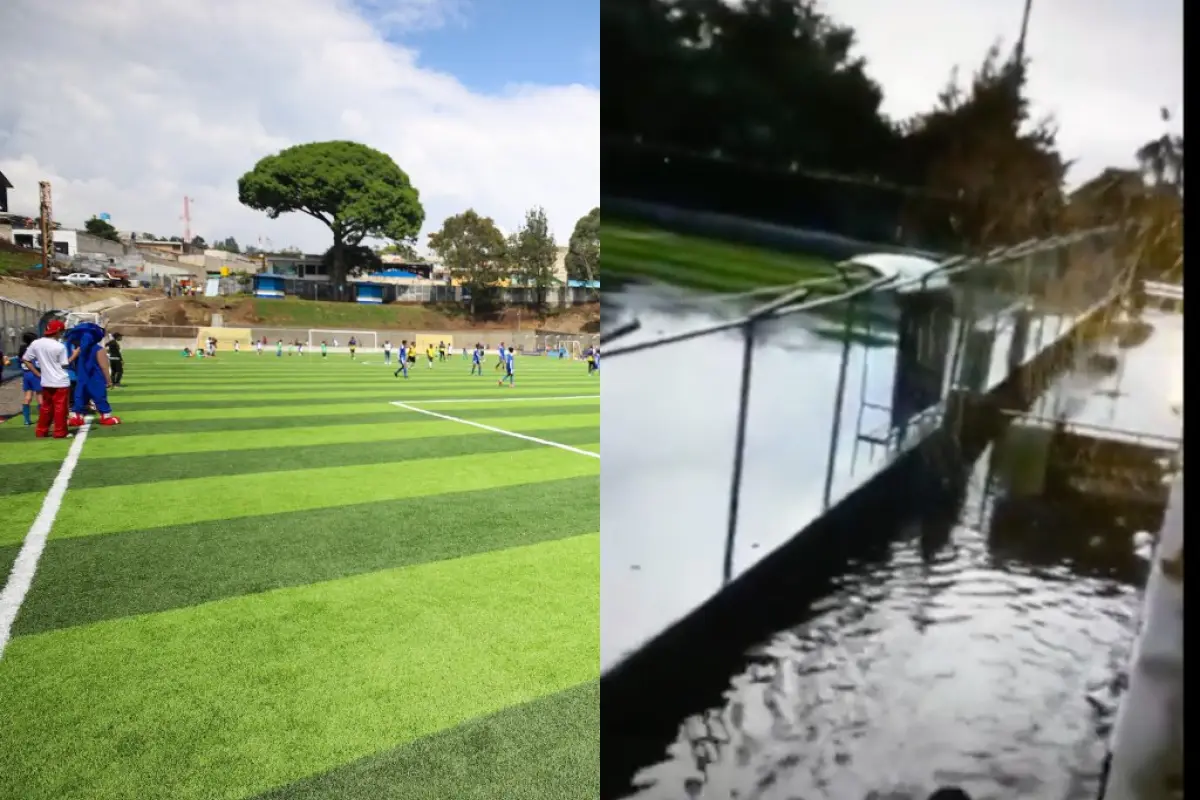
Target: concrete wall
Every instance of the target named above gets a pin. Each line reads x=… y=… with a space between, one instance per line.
x=168 y=336
x=86 y=243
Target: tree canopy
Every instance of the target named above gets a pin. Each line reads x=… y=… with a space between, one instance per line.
x=583 y=250
x=102 y=228
x=730 y=106
x=531 y=253
x=355 y=191
x=473 y=249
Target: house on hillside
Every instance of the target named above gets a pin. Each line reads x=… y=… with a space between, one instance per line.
x=5 y=185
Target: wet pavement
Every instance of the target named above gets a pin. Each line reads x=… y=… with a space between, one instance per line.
x=668 y=442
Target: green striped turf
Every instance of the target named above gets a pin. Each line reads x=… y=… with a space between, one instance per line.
x=269 y=581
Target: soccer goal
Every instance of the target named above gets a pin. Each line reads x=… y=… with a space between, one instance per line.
x=367 y=340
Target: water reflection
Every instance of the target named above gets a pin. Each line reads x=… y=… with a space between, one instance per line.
x=992 y=662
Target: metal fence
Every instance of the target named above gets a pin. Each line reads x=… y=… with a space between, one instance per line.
x=1062 y=277
x=16 y=318
x=151 y=337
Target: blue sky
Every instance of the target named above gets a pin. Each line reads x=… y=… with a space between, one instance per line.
x=501 y=42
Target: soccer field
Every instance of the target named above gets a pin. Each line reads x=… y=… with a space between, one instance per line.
x=638 y=252
x=272 y=581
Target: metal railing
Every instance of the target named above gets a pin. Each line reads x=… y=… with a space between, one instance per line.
x=985 y=289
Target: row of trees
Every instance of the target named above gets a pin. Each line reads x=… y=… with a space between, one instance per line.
x=775 y=86
x=360 y=194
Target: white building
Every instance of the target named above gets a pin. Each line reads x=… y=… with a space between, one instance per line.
x=68 y=243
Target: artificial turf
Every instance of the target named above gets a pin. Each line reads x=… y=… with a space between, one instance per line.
x=639 y=253
x=271 y=582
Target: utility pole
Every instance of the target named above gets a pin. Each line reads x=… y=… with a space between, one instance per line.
x=187 y=220
x=47 y=225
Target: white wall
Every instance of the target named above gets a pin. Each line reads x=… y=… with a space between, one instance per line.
x=76 y=242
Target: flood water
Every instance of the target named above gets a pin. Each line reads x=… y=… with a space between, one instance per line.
x=992 y=660
x=668 y=447
x=994 y=663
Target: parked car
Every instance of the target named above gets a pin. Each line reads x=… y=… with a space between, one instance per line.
x=84 y=279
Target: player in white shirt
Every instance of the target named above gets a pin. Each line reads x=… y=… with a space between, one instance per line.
x=237 y=345
x=47 y=358
x=387 y=351
x=258 y=347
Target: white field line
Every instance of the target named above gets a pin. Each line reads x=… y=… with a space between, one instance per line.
x=513 y=434
x=499 y=399
x=21 y=578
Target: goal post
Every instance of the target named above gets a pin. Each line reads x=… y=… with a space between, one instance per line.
x=367 y=340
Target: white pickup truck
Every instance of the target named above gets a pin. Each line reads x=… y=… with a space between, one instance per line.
x=84 y=279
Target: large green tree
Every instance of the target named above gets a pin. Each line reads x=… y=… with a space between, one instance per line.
x=531 y=254
x=102 y=228
x=473 y=249
x=583 y=251
x=354 y=190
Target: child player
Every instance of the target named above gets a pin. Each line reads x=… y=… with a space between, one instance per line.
x=508 y=369
x=31 y=384
x=387 y=351
x=429 y=354
x=353 y=346
x=47 y=358
x=403 y=367
x=476 y=359
x=324 y=349
x=500 y=352
x=441 y=351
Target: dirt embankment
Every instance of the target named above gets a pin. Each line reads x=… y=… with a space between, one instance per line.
x=292 y=313
x=51 y=294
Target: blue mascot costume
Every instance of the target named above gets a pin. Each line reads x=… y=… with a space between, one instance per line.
x=91 y=384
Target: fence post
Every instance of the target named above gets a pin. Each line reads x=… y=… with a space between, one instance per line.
x=739 y=447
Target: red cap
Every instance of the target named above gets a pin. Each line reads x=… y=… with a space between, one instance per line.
x=54 y=327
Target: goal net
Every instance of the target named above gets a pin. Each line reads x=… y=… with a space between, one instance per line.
x=367 y=340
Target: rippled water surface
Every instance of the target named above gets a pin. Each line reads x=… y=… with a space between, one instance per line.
x=993 y=664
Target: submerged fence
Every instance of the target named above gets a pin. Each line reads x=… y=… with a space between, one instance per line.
x=947 y=324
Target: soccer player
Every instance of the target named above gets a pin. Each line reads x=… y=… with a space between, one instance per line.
x=500 y=352
x=591 y=361
x=299 y=348
x=258 y=346
x=508 y=369
x=31 y=385
x=324 y=349
x=387 y=351
x=476 y=359
x=279 y=349
x=237 y=345
x=403 y=367
x=116 y=364
x=47 y=358
x=441 y=351
x=429 y=354
x=353 y=346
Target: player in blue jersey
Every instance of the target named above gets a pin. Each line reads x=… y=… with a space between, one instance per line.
x=31 y=382
x=403 y=359
x=500 y=353
x=508 y=369
x=476 y=359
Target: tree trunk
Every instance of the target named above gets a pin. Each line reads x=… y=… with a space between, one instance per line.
x=338 y=278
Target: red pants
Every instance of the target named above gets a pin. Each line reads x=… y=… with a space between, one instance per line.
x=53 y=408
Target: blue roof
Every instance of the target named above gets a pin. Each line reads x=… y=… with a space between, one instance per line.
x=394 y=273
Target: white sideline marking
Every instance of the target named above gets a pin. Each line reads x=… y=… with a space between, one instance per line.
x=500 y=399
x=514 y=434
x=24 y=568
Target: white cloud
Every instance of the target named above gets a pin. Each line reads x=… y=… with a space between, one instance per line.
x=1103 y=68
x=128 y=105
